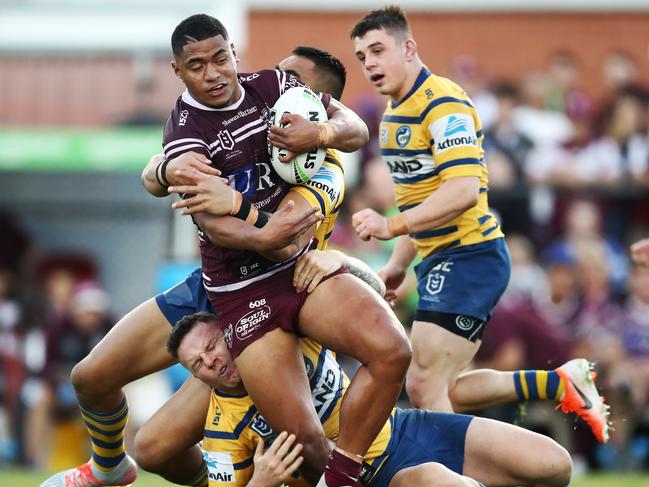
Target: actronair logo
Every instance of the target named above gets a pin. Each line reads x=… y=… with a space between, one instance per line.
x=456 y=142
x=452 y=131
x=454 y=126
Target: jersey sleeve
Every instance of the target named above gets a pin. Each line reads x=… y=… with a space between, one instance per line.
x=454 y=140
x=182 y=134
x=326 y=189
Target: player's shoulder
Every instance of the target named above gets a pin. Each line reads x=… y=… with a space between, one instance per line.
x=183 y=122
x=441 y=87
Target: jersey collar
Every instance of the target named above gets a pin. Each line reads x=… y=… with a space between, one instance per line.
x=190 y=100
x=423 y=76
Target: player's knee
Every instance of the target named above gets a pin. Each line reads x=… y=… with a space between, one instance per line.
x=149 y=453
x=84 y=378
x=421 y=389
x=315 y=447
x=561 y=465
x=397 y=358
x=391 y=352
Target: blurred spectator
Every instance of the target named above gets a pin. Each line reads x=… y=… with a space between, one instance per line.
x=627 y=382
x=466 y=73
x=50 y=398
x=505 y=146
x=529 y=327
x=621 y=153
x=583 y=231
x=12 y=368
x=545 y=128
x=619 y=70
x=563 y=91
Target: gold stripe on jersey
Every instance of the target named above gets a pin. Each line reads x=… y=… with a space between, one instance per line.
x=325 y=190
x=434 y=134
x=233 y=425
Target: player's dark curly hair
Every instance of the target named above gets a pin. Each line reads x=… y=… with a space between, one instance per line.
x=198 y=27
x=392 y=18
x=327 y=66
x=183 y=326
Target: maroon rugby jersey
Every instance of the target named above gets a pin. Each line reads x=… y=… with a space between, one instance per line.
x=235 y=139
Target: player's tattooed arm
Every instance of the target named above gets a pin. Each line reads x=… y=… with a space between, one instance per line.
x=315 y=265
x=160 y=173
x=361 y=270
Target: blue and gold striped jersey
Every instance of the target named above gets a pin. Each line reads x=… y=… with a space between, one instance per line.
x=325 y=190
x=233 y=424
x=434 y=134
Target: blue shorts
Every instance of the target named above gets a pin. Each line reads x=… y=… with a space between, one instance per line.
x=459 y=287
x=185 y=298
x=420 y=436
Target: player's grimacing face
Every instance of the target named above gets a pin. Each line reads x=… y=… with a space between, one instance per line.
x=204 y=353
x=209 y=71
x=382 y=58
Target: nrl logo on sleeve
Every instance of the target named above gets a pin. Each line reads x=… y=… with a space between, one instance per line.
x=384 y=135
x=260 y=426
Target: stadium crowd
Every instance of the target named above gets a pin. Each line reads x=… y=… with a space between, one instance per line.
x=568 y=179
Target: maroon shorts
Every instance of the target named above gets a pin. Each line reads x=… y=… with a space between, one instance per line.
x=247 y=314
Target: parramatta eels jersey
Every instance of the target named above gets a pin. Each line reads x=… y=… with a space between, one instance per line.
x=434 y=134
x=233 y=424
x=325 y=190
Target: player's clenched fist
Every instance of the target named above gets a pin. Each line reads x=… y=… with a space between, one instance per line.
x=368 y=223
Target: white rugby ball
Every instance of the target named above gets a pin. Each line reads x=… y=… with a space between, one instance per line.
x=300 y=101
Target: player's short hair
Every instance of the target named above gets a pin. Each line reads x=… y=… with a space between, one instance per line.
x=183 y=326
x=198 y=27
x=328 y=67
x=392 y=18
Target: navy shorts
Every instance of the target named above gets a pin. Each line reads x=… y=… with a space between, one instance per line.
x=185 y=298
x=420 y=436
x=459 y=287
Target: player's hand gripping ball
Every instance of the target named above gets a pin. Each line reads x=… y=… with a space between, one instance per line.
x=300 y=101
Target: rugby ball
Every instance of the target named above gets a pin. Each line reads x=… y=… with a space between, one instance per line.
x=300 y=101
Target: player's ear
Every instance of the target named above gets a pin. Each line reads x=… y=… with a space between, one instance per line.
x=176 y=70
x=410 y=49
x=234 y=53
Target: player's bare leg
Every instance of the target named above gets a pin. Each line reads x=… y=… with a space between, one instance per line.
x=167 y=443
x=497 y=453
x=482 y=388
x=431 y=475
x=272 y=369
x=135 y=347
x=347 y=316
x=438 y=357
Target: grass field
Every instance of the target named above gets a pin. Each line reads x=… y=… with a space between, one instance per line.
x=22 y=478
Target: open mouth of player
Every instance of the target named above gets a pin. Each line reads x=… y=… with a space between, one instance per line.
x=217 y=90
x=377 y=78
x=223 y=370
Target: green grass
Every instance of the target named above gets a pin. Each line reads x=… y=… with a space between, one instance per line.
x=22 y=478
